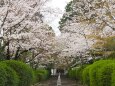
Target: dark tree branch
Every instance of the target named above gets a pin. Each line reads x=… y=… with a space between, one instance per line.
x=4 y=19
x=17 y=54
x=8 y=51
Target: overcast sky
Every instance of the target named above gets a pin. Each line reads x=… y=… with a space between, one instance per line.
x=52 y=19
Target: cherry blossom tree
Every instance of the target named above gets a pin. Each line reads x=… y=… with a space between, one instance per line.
x=83 y=18
x=23 y=30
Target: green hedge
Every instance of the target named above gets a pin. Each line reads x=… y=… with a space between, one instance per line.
x=95 y=68
x=16 y=73
x=79 y=72
x=25 y=73
x=8 y=76
x=105 y=74
x=100 y=73
x=85 y=75
x=113 y=79
x=76 y=73
x=72 y=73
x=41 y=74
x=3 y=75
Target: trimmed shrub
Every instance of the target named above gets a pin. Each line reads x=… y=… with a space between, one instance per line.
x=79 y=72
x=3 y=75
x=76 y=73
x=113 y=79
x=94 y=71
x=104 y=75
x=36 y=76
x=24 y=72
x=45 y=72
x=99 y=73
x=85 y=75
x=12 y=77
x=8 y=76
x=41 y=74
x=92 y=74
x=72 y=73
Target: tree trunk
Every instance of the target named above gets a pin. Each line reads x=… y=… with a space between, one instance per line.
x=8 y=51
x=17 y=54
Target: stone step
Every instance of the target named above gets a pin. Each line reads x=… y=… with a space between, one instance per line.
x=64 y=82
x=56 y=85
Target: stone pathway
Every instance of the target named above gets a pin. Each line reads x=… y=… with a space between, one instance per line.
x=53 y=82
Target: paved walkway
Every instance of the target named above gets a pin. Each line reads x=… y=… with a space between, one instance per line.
x=64 y=81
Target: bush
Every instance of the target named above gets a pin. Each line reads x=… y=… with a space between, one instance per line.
x=85 y=75
x=8 y=76
x=76 y=72
x=99 y=73
x=79 y=72
x=3 y=75
x=45 y=72
x=113 y=79
x=105 y=74
x=72 y=73
x=12 y=77
x=94 y=71
x=41 y=74
x=24 y=72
